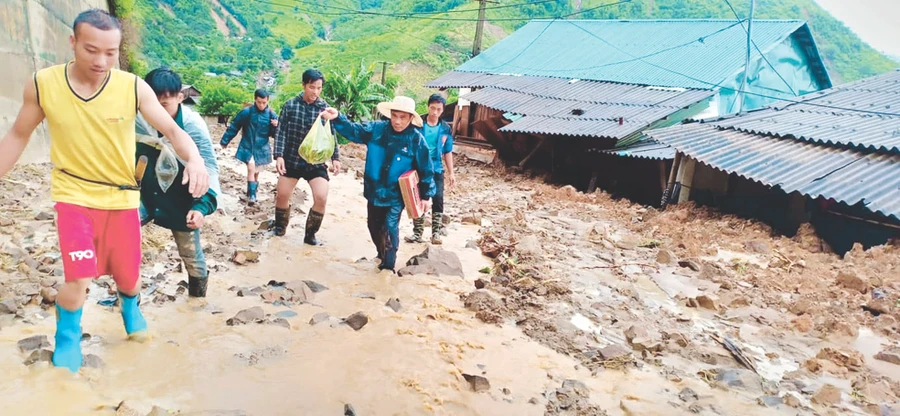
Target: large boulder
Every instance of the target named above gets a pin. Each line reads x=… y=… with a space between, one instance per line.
x=434 y=261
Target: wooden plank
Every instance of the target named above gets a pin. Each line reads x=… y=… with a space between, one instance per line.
x=533 y=152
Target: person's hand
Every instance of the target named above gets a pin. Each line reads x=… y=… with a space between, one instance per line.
x=336 y=167
x=451 y=180
x=330 y=113
x=194 y=220
x=196 y=177
x=279 y=166
x=426 y=205
x=274 y=122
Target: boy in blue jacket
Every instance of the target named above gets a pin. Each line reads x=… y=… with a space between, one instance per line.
x=439 y=139
x=257 y=123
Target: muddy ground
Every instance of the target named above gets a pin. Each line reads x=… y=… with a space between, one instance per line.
x=684 y=311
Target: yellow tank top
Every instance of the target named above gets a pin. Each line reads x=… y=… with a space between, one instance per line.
x=92 y=138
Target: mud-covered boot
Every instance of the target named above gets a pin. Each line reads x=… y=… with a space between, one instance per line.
x=67 y=353
x=135 y=324
x=418 y=230
x=251 y=193
x=197 y=286
x=437 y=228
x=313 y=223
x=282 y=220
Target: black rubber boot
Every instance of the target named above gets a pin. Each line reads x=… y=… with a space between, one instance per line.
x=313 y=223
x=197 y=286
x=282 y=220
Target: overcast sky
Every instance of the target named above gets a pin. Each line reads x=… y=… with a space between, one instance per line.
x=875 y=21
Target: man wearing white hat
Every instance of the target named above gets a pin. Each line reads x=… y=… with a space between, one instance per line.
x=392 y=148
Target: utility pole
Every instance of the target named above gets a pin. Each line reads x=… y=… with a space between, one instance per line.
x=479 y=28
x=741 y=94
x=384 y=65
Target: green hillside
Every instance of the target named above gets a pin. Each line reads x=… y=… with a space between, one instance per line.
x=421 y=39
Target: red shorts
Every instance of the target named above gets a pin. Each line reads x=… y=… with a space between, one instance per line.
x=96 y=242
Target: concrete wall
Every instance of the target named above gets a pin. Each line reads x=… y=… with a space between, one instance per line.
x=35 y=35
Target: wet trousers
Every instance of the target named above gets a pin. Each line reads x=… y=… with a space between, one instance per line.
x=384 y=228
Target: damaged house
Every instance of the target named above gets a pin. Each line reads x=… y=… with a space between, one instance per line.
x=575 y=96
x=829 y=158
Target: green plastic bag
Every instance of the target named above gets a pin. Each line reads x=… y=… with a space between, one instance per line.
x=318 y=145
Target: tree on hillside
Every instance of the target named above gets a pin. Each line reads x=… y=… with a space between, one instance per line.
x=355 y=93
x=220 y=99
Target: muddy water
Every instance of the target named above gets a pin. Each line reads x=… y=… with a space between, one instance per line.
x=400 y=363
x=404 y=363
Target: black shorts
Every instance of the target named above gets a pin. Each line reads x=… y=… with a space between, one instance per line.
x=308 y=172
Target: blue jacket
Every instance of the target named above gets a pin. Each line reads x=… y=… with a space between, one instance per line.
x=444 y=145
x=256 y=128
x=388 y=155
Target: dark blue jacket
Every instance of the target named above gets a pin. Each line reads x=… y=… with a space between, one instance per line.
x=443 y=146
x=388 y=155
x=256 y=128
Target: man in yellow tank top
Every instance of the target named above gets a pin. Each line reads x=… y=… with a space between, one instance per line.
x=90 y=108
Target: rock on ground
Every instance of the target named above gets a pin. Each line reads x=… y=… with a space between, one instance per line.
x=255 y=314
x=477 y=383
x=434 y=261
x=357 y=320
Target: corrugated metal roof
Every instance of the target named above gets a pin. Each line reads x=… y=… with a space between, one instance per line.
x=527 y=104
x=579 y=90
x=606 y=50
x=845 y=175
x=573 y=127
x=593 y=107
x=644 y=149
x=863 y=114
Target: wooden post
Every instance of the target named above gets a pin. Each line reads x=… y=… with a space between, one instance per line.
x=686 y=178
x=533 y=152
x=479 y=29
x=671 y=186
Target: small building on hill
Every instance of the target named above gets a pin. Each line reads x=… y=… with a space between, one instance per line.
x=575 y=96
x=191 y=95
x=830 y=158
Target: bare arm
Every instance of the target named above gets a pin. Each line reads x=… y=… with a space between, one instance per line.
x=13 y=144
x=195 y=173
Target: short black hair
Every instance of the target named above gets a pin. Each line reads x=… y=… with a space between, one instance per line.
x=437 y=98
x=312 y=75
x=164 y=81
x=261 y=93
x=100 y=19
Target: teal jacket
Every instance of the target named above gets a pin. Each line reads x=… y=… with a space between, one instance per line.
x=169 y=209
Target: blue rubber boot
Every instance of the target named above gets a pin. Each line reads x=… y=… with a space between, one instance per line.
x=135 y=324
x=67 y=353
x=251 y=192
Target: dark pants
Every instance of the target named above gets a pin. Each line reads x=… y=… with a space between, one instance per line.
x=437 y=205
x=384 y=228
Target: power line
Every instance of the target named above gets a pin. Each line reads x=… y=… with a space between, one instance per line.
x=548 y=26
x=787 y=84
x=700 y=39
x=740 y=96
x=351 y=12
x=718 y=85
